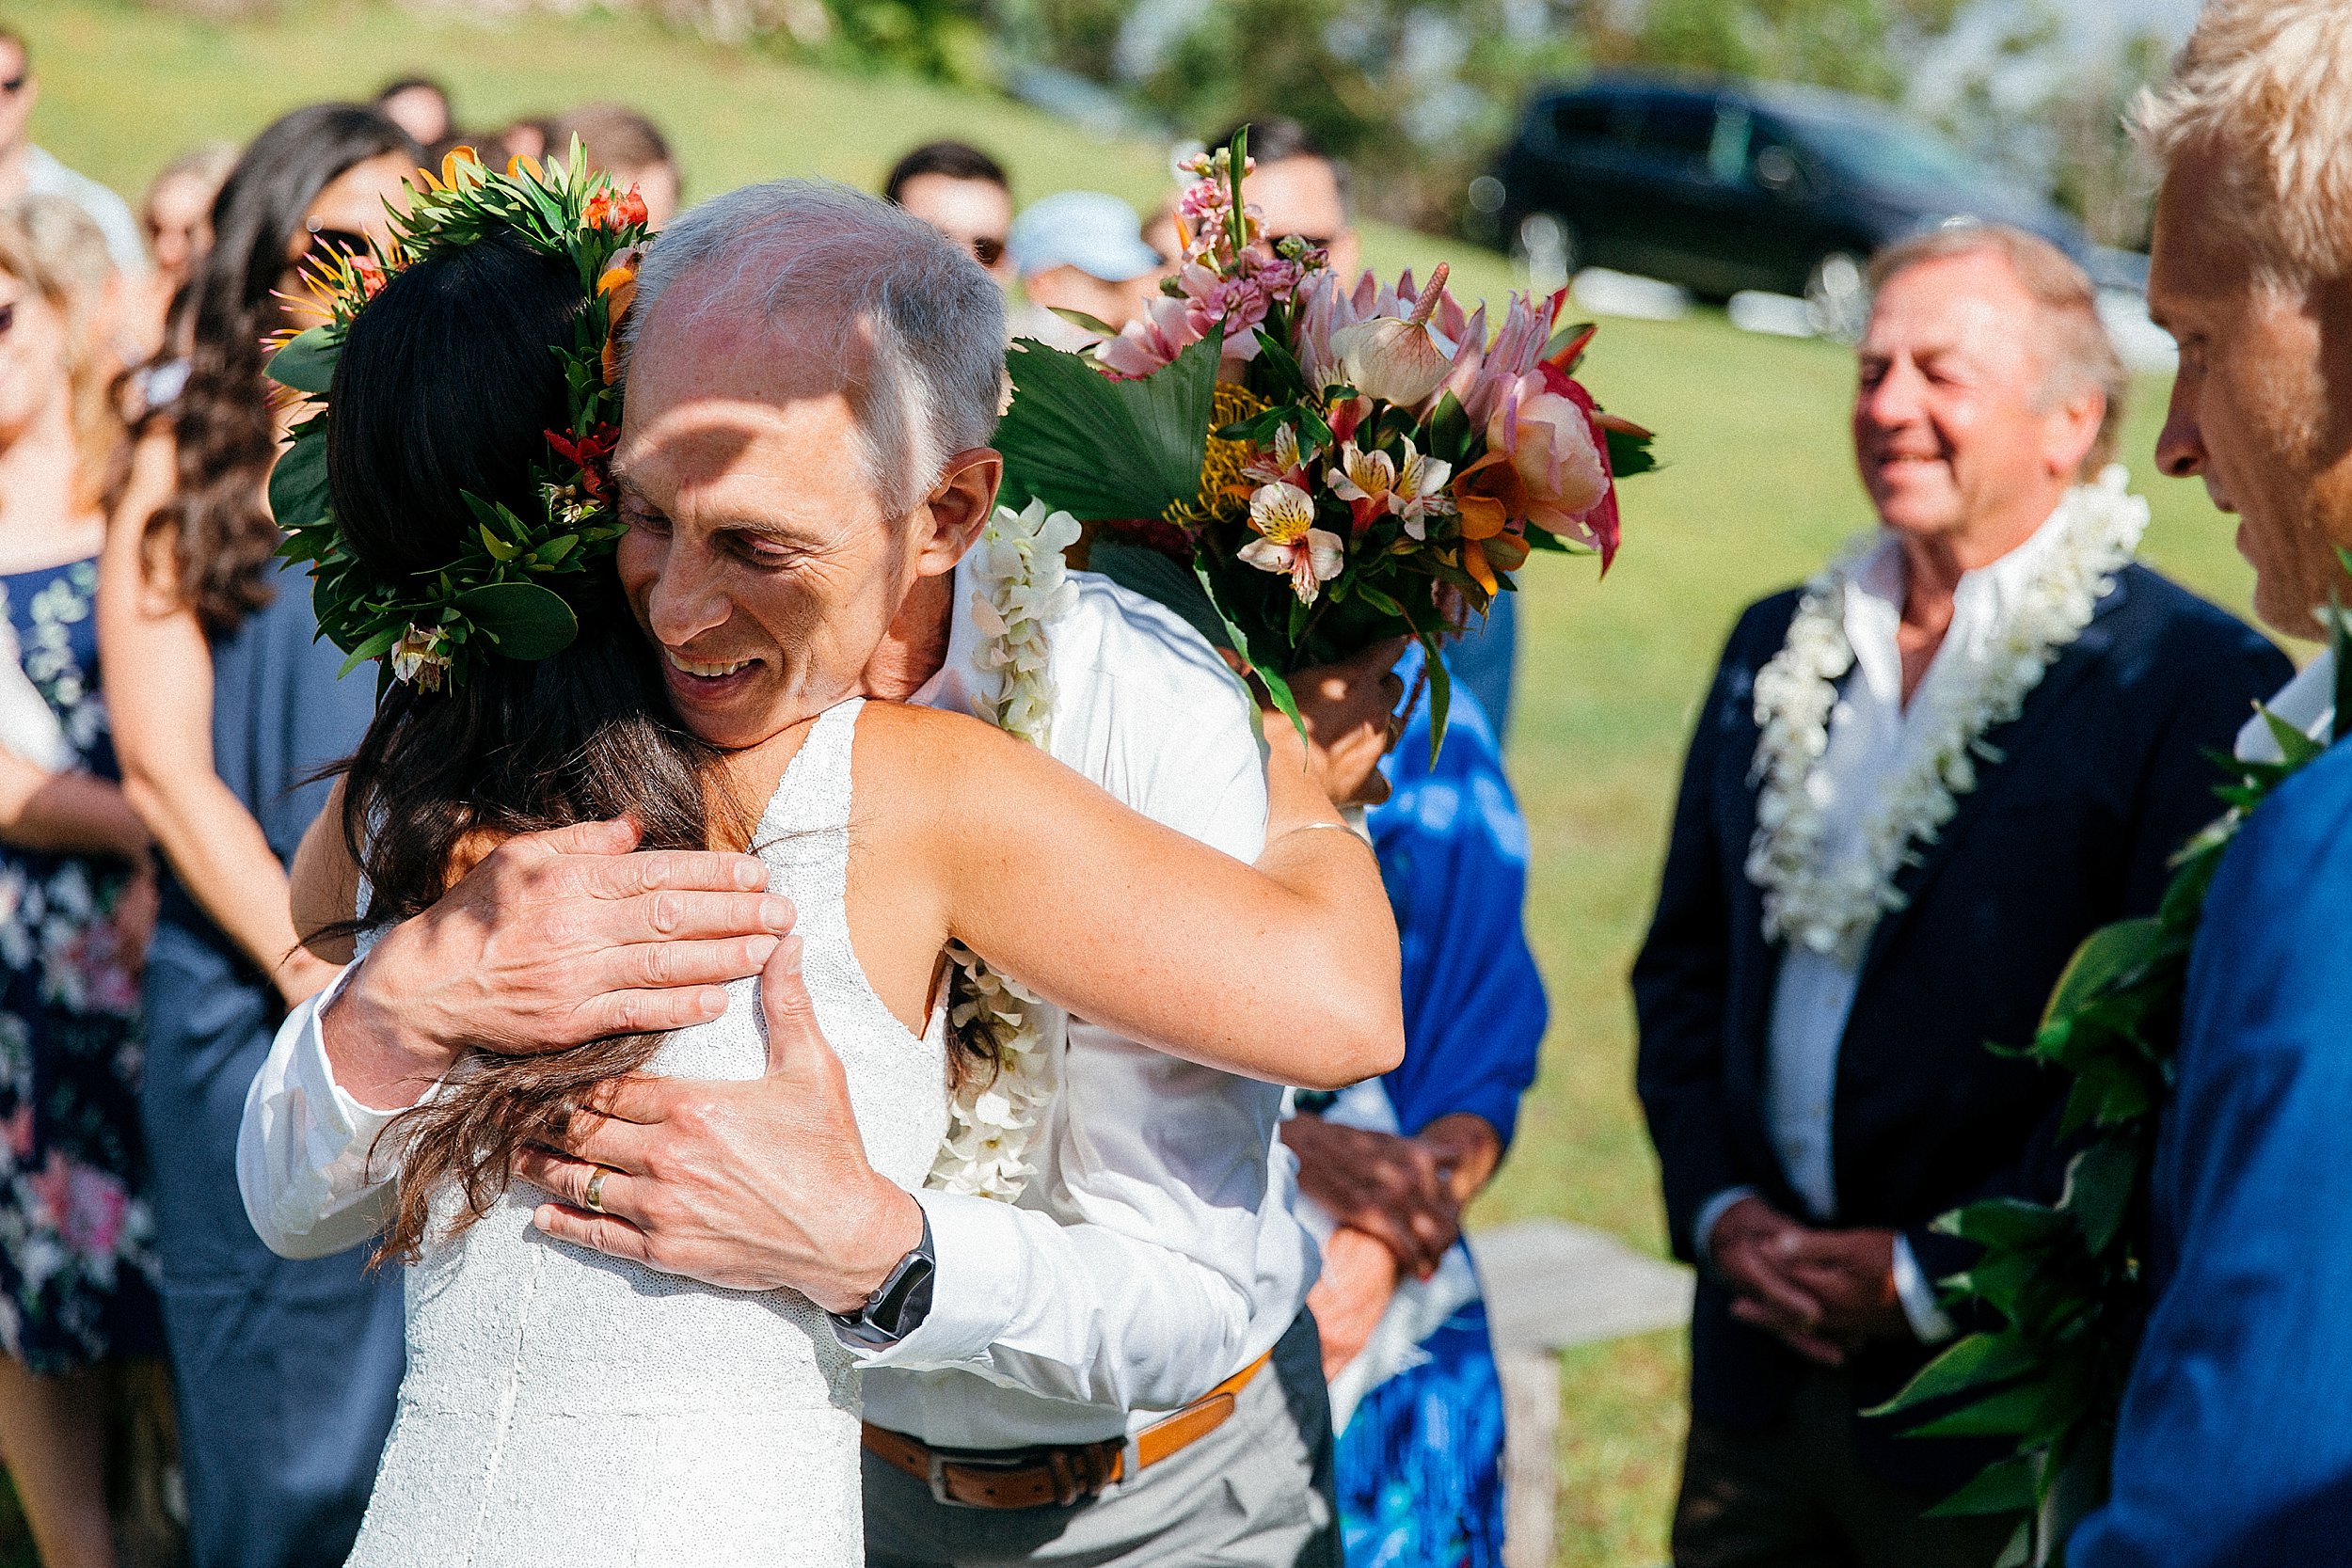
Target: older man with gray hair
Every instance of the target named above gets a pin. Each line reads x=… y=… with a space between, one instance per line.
x=1917 y=783
x=1106 y=1362
x=2233 y=1445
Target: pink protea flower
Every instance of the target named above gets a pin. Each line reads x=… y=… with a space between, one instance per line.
x=1152 y=340
x=1547 y=463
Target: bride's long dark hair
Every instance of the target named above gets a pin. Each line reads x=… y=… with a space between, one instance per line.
x=447 y=384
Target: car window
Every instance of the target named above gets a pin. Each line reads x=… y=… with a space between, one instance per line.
x=1873 y=149
x=1679 y=127
x=1581 y=118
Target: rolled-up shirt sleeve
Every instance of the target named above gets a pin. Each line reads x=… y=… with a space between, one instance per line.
x=305 y=1147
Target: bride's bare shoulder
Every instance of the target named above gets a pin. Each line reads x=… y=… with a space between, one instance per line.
x=921 y=760
x=904 y=731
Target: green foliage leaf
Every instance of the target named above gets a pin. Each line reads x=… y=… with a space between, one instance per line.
x=524 y=620
x=307 y=363
x=1978 y=1361
x=1630 y=454
x=1100 y=448
x=2005 y=1487
x=374 y=647
x=2100 y=1182
x=1999 y=1279
x=1290 y=381
x=1448 y=432
x=2108 y=956
x=1441 y=694
x=2006 y=1413
x=1084 y=322
x=2294 y=744
x=298 y=485
x=2003 y=1222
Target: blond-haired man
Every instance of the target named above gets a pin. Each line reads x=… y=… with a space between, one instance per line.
x=2234 y=1445
x=1844 y=921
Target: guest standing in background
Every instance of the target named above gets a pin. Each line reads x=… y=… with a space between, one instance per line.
x=961 y=192
x=176 y=215
x=26 y=170
x=629 y=147
x=1385 y=1167
x=419 y=105
x=1082 y=251
x=77 y=901
x=1916 y=786
x=71 y=244
x=225 y=709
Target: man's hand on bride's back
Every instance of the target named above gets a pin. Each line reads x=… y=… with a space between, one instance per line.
x=752 y=1184
x=553 y=940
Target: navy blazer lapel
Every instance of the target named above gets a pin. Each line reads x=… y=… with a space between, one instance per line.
x=2011 y=740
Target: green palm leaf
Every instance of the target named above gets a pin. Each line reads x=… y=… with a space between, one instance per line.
x=1100 y=448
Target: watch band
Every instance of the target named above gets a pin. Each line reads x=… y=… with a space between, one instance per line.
x=898 y=1305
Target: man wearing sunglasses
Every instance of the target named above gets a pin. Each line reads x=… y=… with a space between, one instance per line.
x=25 y=171
x=961 y=192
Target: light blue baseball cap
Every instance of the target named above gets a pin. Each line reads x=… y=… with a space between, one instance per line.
x=1099 y=234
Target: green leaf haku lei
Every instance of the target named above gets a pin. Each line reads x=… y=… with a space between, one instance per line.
x=2067 y=1281
x=505 y=593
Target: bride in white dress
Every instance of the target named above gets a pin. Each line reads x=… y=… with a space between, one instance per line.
x=564 y=1407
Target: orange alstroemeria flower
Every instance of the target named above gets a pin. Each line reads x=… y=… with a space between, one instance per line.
x=613 y=212
x=617 y=288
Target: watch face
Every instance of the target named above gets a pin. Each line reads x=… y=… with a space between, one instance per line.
x=906 y=1297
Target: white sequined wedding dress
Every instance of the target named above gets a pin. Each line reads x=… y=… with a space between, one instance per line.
x=562 y=1407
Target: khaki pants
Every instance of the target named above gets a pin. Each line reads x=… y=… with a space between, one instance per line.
x=1256 y=1493
x=1795 y=1496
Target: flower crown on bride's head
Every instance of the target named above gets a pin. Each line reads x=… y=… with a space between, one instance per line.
x=504 y=594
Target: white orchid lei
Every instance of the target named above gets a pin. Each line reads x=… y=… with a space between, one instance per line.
x=1025 y=587
x=1831 y=908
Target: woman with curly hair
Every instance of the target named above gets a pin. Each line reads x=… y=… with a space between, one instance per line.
x=225 y=709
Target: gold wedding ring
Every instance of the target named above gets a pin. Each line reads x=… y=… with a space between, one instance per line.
x=593 y=1197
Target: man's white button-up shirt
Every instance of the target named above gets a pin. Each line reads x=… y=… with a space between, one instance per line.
x=1872 y=740
x=1154 y=1252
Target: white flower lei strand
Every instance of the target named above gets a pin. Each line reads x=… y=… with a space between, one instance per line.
x=1831 y=909
x=993 y=1118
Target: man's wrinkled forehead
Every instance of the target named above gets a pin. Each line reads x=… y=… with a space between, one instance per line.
x=1968 y=305
x=721 y=336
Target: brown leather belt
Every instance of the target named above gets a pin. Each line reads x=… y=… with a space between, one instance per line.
x=1033 y=1478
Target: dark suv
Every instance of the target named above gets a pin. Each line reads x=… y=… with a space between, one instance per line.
x=1724 y=186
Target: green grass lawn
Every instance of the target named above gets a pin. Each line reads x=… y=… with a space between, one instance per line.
x=1757 y=490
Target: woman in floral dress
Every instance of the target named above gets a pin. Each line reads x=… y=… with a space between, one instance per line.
x=76 y=901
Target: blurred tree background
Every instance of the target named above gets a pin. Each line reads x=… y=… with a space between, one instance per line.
x=1421 y=94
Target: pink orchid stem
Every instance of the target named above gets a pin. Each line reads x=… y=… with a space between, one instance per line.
x=1423 y=306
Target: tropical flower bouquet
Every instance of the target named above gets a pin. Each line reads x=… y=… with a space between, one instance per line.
x=1306 y=466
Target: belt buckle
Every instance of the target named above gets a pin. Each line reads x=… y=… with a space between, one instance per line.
x=938 y=1477
x=939 y=1483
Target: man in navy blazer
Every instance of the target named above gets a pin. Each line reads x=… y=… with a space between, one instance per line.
x=1816 y=998
x=2235 y=1444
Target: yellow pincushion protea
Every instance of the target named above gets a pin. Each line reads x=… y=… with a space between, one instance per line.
x=1223 y=490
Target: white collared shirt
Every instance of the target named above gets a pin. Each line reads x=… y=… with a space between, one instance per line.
x=2308 y=702
x=1154 y=1253
x=1872 y=740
